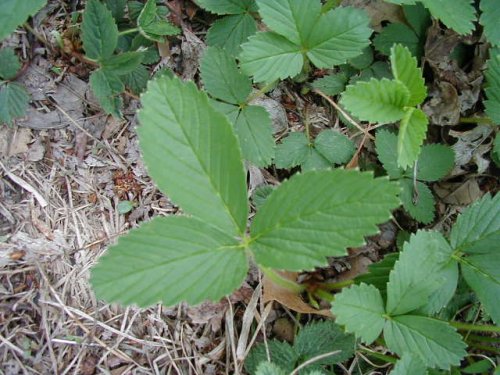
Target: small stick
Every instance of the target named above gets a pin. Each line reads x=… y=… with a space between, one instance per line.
x=26 y=186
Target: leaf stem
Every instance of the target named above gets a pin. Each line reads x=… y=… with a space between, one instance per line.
x=475 y=327
x=260 y=92
x=336 y=286
x=128 y=31
x=476 y=120
x=281 y=281
x=486 y=348
x=382 y=357
x=324 y=295
x=483 y=338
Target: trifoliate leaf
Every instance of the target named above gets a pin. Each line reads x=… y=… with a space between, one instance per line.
x=15 y=13
x=417 y=200
x=222 y=78
x=409 y=364
x=405 y=69
x=478 y=227
x=378 y=273
x=228 y=6
x=9 y=63
x=136 y=80
x=381 y=101
x=280 y=353
x=321 y=338
x=416 y=274
x=269 y=368
x=334 y=146
x=124 y=63
x=231 y=32
x=332 y=84
x=490 y=14
x=418 y=18
x=99 y=31
x=342 y=206
x=192 y=154
x=435 y=342
x=458 y=15
x=492 y=89
x=360 y=309
x=435 y=162
x=152 y=25
x=253 y=127
x=397 y=33
x=169 y=260
x=292 y=151
x=106 y=86
x=386 y=144
x=412 y=132
x=14 y=100
x=117 y=8
x=269 y=56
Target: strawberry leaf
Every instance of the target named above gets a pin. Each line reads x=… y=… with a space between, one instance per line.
x=490 y=14
x=15 y=13
x=412 y=131
x=405 y=69
x=458 y=15
x=435 y=162
x=492 y=89
x=14 y=100
x=99 y=31
x=417 y=200
x=231 y=32
x=152 y=25
x=228 y=6
x=9 y=63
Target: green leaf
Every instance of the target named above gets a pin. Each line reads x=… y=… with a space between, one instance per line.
x=409 y=364
x=136 y=80
x=170 y=260
x=14 y=100
x=418 y=18
x=228 y=6
x=435 y=342
x=321 y=338
x=334 y=146
x=479 y=367
x=315 y=161
x=152 y=25
x=261 y=194
x=492 y=89
x=117 y=8
x=490 y=14
x=397 y=33
x=254 y=130
x=416 y=274
x=292 y=151
x=378 y=273
x=124 y=63
x=332 y=84
x=268 y=368
x=420 y=203
x=99 y=31
x=192 y=154
x=231 y=32
x=229 y=110
x=364 y=60
x=222 y=78
x=15 y=13
x=9 y=63
x=495 y=152
x=381 y=101
x=412 y=132
x=458 y=15
x=106 y=86
x=435 y=162
x=360 y=308
x=405 y=69
x=442 y=296
x=386 y=144
x=269 y=56
x=340 y=35
x=124 y=207
x=280 y=353
x=319 y=214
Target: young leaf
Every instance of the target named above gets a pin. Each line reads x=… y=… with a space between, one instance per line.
x=381 y=101
x=405 y=69
x=360 y=308
x=222 y=78
x=124 y=63
x=417 y=200
x=268 y=56
x=292 y=151
x=99 y=31
x=458 y=15
x=319 y=214
x=416 y=274
x=9 y=63
x=412 y=131
x=106 y=86
x=332 y=84
x=152 y=25
x=14 y=100
x=231 y=32
x=334 y=146
x=228 y=6
x=192 y=154
x=409 y=364
x=254 y=130
x=435 y=342
x=386 y=144
x=490 y=14
x=435 y=162
x=280 y=353
x=169 y=260
x=492 y=89
x=15 y=13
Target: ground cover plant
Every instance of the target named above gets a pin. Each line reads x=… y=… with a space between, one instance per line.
x=362 y=152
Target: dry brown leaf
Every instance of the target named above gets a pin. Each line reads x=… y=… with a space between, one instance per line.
x=379 y=11
x=460 y=194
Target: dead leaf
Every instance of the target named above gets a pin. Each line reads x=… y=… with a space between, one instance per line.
x=276 y=112
x=444 y=107
x=192 y=49
x=470 y=147
x=379 y=11
x=461 y=194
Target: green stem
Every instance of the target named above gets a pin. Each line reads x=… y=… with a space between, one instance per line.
x=128 y=31
x=281 y=281
x=476 y=120
x=474 y=327
x=486 y=348
x=336 y=286
x=483 y=338
x=324 y=295
x=382 y=357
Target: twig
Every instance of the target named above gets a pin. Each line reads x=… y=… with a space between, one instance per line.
x=26 y=186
